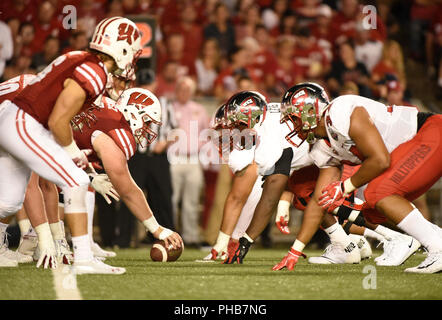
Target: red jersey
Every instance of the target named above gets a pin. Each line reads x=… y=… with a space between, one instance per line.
x=39 y=97
x=107 y=119
x=9 y=89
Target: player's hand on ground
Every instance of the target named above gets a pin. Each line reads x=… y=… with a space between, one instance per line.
x=48 y=258
x=170 y=237
x=289 y=261
x=102 y=184
x=332 y=196
x=238 y=252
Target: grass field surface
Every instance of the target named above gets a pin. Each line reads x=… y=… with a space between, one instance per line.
x=186 y=279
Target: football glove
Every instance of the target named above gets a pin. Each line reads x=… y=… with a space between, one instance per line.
x=289 y=261
x=332 y=196
x=238 y=252
x=102 y=184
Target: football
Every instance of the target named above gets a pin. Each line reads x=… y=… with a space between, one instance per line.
x=160 y=253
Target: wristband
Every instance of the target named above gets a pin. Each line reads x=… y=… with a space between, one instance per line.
x=283 y=207
x=151 y=224
x=298 y=246
x=73 y=150
x=348 y=186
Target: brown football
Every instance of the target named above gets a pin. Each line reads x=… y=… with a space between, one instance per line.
x=160 y=253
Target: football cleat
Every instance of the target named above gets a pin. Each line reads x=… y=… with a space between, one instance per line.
x=5 y=260
x=397 y=250
x=432 y=264
x=95 y=266
x=28 y=244
x=363 y=245
x=101 y=253
x=337 y=254
x=238 y=252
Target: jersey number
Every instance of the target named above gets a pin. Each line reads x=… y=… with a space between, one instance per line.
x=8 y=88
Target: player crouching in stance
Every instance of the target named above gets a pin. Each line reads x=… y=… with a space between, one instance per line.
x=399 y=151
x=35 y=131
x=113 y=130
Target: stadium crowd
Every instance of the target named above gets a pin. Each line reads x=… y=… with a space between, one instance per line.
x=212 y=48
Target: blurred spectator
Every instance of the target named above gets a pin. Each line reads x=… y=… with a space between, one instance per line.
x=207 y=67
x=14 y=26
x=251 y=19
x=46 y=25
x=51 y=51
x=433 y=44
x=395 y=94
x=321 y=30
x=367 y=51
x=191 y=32
x=6 y=46
x=186 y=171
x=226 y=82
x=221 y=29
x=77 y=41
x=347 y=68
x=166 y=80
x=90 y=12
x=174 y=51
x=25 y=40
x=287 y=27
x=24 y=10
x=344 y=22
x=115 y=9
x=310 y=57
x=130 y=6
x=272 y=16
x=284 y=73
x=20 y=65
x=349 y=87
x=265 y=56
x=308 y=12
x=422 y=14
x=392 y=62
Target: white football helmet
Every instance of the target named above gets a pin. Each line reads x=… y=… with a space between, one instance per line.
x=141 y=109
x=119 y=38
x=114 y=89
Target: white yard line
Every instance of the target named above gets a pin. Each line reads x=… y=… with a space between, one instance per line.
x=65 y=283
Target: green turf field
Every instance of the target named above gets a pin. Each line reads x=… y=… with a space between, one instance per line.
x=187 y=279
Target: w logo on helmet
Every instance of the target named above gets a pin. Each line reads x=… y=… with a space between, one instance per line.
x=127 y=32
x=140 y=99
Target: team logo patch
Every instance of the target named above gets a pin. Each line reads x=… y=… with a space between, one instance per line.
x=140 y=99
x=250 y=102
x=128 y=33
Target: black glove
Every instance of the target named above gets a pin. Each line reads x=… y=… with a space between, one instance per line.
x=239 y=252
x=350 y=211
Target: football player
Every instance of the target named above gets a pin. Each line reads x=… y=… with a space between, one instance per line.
x=276 y=158
x=35 y=132
x=399 y=150
x=112 y=131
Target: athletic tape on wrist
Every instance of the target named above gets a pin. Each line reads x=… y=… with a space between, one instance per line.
x=348 y=186
x=165 y=233
x=72 y=149
x=151 y=224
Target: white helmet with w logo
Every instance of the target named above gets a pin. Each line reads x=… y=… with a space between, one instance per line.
x=141 y=109
x=119 y=38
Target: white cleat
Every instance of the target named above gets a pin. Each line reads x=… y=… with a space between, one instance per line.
x=363 y=245
x=337 y=254
x=5 y=261
x=95 y=266
x=398 y=250
x=19 y=257
x=27 y=245
x=100 y=253
x=432 y=264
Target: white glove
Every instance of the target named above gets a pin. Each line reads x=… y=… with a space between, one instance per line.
x=102 y=184
x=78 y=156
x=48 y=257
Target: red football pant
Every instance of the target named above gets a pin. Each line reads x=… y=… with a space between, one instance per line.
x=415 y=166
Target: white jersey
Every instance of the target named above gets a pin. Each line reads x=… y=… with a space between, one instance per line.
x=396 y=125
x=270 y=144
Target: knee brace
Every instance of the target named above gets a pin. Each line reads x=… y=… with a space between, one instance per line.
x=9 y=209
x=75 y=199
